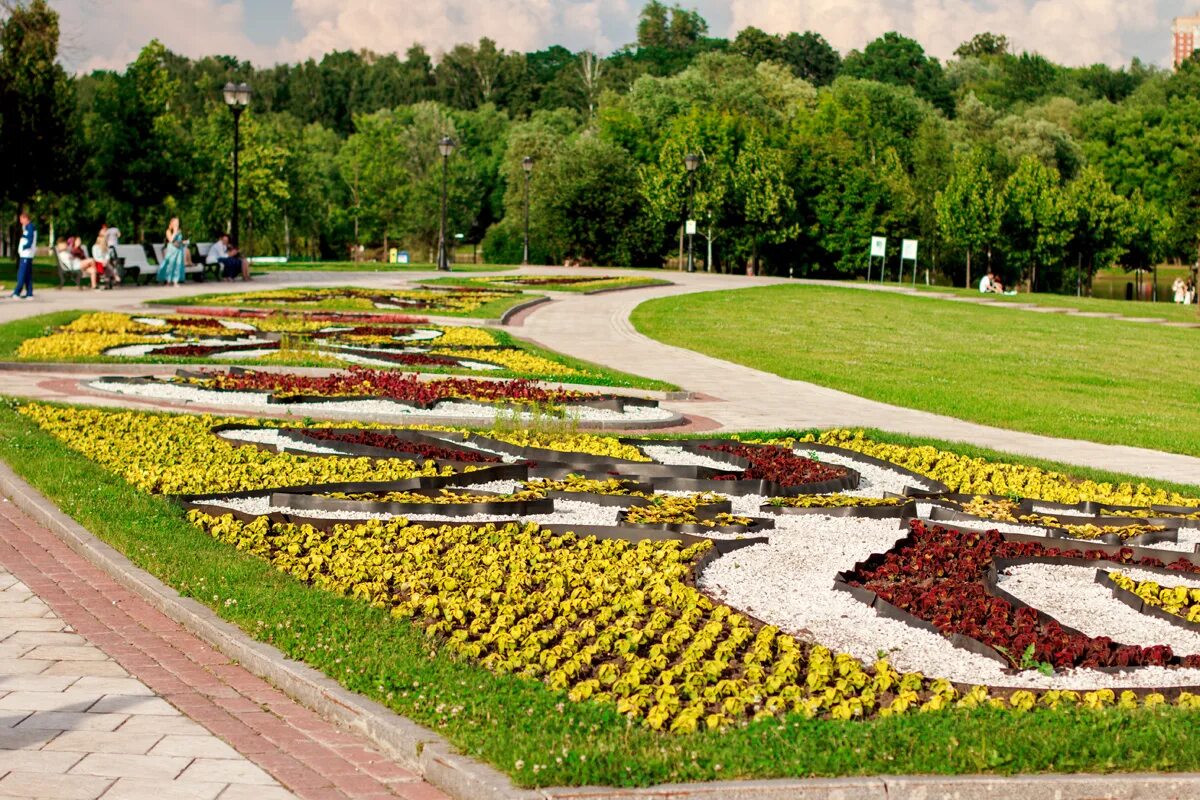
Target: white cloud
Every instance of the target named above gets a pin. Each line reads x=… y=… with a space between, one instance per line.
x=109 y=35
x=1067 y=31
x=387 y=25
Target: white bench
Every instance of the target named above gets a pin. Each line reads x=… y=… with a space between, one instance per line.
x=191 y=269
x=67 y=269
x=133 y=262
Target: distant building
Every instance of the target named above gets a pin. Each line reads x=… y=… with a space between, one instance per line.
x=1185 y=36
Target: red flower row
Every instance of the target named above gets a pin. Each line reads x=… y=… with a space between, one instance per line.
x=937 y=575
x=389 y=441
x=403 y=386
x=364 y=318
x=777 y=464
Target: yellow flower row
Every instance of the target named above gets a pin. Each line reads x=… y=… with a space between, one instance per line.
x=1182 y=601
x=978 y=476
x=510 y=358
x=62 y=345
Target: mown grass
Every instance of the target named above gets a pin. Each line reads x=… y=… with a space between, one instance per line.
x=490 y=309
x=518 y=724
x=1099 y=380
x=1162 y=310
x=13 y=333
x=596 y=284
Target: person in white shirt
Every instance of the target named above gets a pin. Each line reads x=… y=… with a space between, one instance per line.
x=26 y=250
x=985 y=284
x=227 y=257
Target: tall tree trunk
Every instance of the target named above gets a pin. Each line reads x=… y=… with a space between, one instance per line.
x=287 y=238
x=968 y=269
x=680 y=263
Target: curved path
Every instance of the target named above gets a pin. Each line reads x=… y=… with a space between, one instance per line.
x=597 y=328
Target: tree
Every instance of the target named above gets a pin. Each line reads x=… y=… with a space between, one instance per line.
x=1102 y=223
x=140 y=156
x=968 y=209
x=982 y=45
x=36 y=105
x=1038 y=220
x=898 y=60
x=654 y=27
x=674 y=28
x=810 y=57
x=766 y=200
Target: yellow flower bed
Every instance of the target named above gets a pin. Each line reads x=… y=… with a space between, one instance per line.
x=178 y=454
x=461 y=336
x=79 y=345
x=978 y=476
x=111 y=322
x=365 y=299
x=510 y=358
x=1182 y=601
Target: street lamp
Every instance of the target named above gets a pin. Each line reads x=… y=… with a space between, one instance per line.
x=691 y=161
x=237 y=97
x=446 y=147
x=527 y=165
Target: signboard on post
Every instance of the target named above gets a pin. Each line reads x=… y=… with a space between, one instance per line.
x=908 y=252
x=690 y=227
x=878 y=250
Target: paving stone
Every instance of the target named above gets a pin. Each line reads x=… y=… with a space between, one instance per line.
x=107 y=669
x=24 y=666
x=40 y=761
x=130 y=704
x=11 y=626
x=129 y=765
x=25 y=738
x=225 y=770
x=140 y=789
x=73 y=721
x=35 y=682
x=207 y=746
x=46 y=637
x=65 y=653
x=118 y=741
x=110 y=686
x=256 y=793
x=53 y=787
x=163 y=726
x=69 y=700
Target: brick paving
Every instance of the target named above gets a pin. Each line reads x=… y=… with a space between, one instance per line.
x=101 y=695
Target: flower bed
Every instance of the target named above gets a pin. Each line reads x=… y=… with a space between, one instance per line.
x=609 y=618
x=363 y=339
x=450 y=300
x=1179 y=601
x=562 y=283
x=776 y=464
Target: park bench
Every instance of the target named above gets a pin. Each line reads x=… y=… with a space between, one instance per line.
x=132 y=263
x=194 y=269
x=200 y=253
x=67 y=269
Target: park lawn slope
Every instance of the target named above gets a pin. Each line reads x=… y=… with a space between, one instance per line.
x=1099 y=380
x=519 y=724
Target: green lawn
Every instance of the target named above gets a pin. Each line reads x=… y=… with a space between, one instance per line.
x=1100 y=380
x=1125 y=308
x=517 y=724
x=13 y=333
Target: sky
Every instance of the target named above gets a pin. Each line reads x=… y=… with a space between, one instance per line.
x=107 y=34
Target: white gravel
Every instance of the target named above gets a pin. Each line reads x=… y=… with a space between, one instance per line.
x=240 y=354
x=666 y=454
x=875 y=481
x=355 y=408
x=1071 y=595
x=272 y=436
x=157 y=322
x=787 y=583
x=135 y=350
x=235 y=325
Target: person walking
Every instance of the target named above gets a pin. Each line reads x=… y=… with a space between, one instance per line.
x=25 y=253
x=171 y=270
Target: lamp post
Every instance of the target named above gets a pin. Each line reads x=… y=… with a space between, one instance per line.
x=446 y=147
x=527 y=165
x=691 y=161
x=237 y=97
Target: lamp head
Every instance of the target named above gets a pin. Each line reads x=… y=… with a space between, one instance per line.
x=446 y=146
x=691 y=161
x=527 y=164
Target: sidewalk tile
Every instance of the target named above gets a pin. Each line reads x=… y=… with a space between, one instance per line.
x=35 y=682
x=69 y=700
x=118 y=741
x=243 y=792
x=111 y=686
x=73 y=721
x=131 y=704
x=163 y=726
x=104 y=669
x=227 y=771
x=127 y=765
x=53 y=787
x=141 y=789
x=40 y=761
x=207 y=746
x=65 y=653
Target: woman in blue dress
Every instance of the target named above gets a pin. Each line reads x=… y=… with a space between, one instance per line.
x=171 y=270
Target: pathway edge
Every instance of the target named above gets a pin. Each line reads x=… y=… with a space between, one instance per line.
x=438 y=762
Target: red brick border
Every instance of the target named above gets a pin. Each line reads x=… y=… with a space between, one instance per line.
x=306 y=754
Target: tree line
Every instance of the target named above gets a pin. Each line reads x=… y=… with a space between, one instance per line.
x=994 y=158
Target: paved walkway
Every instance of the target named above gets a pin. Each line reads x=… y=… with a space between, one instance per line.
x=103 y=696
x=597 y=328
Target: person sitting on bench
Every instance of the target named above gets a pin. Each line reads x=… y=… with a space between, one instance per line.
x=227 y=257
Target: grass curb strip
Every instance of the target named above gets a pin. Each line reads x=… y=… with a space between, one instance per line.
x=417 y=748
x=513 y=311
